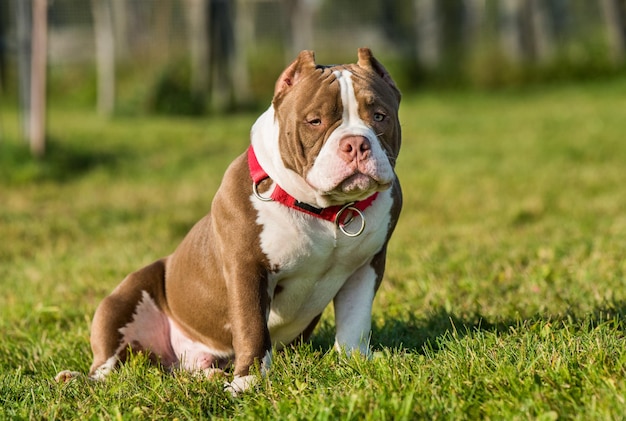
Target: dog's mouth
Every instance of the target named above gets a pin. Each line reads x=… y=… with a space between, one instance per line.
x=356 y=187
x=337 y=182
x=358 y=182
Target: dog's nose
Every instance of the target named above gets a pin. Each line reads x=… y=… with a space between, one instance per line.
x=354 y=148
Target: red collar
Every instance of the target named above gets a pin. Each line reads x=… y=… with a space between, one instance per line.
x=341 y=215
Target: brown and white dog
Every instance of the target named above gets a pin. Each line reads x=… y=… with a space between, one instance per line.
x=300 y=220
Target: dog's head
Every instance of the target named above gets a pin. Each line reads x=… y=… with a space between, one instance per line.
x=335 y=133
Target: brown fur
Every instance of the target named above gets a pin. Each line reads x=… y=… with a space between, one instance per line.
x=208 y=263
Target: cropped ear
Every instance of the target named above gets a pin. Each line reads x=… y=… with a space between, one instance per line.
x=304 y=63
x=367 y=61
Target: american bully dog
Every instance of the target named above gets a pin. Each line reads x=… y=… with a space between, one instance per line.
x=301 y=218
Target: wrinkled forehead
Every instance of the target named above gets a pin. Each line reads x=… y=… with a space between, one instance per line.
x=319 y=89
x=325 y=82
x=368 y=86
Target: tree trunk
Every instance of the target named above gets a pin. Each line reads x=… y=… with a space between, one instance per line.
x=23 y=11
x=3 y=31
x=542 y=37
x=198 y=33
x=244 y=33
x=105 y=55
x=222 y=40
x=510 y=33
x=162 y=25
x=428 y=28
x=301 y=15
x=614 y=12
x=120 y=27
x=473 y=23
x=38 y=78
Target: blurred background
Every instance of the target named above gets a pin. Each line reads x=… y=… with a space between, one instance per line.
x=194 y=57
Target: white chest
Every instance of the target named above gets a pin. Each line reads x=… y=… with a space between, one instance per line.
x=312 y=260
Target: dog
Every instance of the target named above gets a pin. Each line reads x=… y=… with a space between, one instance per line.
x=302 y=218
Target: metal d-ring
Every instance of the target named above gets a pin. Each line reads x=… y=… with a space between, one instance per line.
x=342 y=226
x=255 y=190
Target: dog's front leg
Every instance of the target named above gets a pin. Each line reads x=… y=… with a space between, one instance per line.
x=353 y=311
x=249 y=304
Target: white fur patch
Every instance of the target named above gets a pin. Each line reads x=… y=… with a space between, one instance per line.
x=314 y=261
x=240 y=384
x=264 y=134
x=353 y=311
x=151 y=330
x=105 y=369
x=192 y=355
x=266 y=363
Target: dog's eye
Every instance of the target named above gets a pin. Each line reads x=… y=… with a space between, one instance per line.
x=378 y=117
x=315 y=122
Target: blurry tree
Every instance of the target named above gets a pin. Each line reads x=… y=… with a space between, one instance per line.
x=162 y=12
x=3 y=44
x=120 y=28
x=244 y=36
x=486 y=42
x=525 y=30
x=23 y=12
x=138 y=32
x=429 y=30
x=539 y=31
x=218 y=33
x=510 y=29
x=197 y=13
x=221 y=53
x=32 y=28
x=615 y=16
x=397 y=23
x=301 y=14
x=104 y=36
x=475 y=14
x=38 y=63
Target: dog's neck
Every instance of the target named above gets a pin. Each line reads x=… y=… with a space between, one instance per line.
x=341 y=215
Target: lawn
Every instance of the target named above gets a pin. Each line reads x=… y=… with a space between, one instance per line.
x=505 y=291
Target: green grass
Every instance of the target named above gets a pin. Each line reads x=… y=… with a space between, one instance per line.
x=505 y=292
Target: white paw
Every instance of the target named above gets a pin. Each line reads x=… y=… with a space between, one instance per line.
x=211 y=373
x=362 y=349
x=66 y=376
x=104 y=370
x=240 y=384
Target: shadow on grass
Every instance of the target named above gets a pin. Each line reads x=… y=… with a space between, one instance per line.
x=416 y=335
x=61 y=163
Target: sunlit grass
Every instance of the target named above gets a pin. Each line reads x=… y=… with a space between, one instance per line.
x=505 y=291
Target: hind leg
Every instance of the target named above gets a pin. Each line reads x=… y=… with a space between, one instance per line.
x=129 y=316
